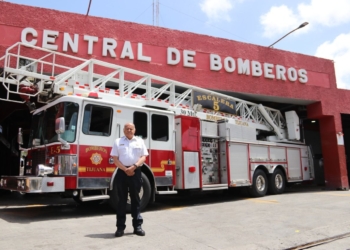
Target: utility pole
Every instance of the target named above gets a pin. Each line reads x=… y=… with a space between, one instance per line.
x=155 y=12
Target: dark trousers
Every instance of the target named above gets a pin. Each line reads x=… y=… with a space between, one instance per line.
x=131 y=184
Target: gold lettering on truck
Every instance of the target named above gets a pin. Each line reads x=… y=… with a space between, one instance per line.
x=96 y=148
x=214 y=118
x=242 y=123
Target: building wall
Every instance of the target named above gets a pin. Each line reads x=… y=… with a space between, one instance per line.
x=320 y=89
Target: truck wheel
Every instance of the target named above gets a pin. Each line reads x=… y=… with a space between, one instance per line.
x=145 y=195
x=277 y=182
x=260 y=184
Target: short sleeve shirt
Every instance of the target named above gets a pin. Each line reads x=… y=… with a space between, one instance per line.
x=129 y=151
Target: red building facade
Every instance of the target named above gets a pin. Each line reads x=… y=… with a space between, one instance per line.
x=199 y=60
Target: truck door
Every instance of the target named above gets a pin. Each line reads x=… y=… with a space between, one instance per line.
x=162 y=147
x=95 y=140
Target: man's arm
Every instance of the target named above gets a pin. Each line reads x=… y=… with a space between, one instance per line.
x=142 y=158
x=139 y=162
x=118 y=163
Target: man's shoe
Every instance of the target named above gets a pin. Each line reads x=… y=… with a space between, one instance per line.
x=139 y=232
x=119 y=233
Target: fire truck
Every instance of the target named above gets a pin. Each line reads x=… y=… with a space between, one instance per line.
x=198 y=139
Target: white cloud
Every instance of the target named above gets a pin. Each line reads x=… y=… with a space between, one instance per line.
x=272 y=24
x=339 y=52
x=326 y=12
x=280 y=20
x=217 y=10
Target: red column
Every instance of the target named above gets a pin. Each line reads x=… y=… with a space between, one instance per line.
x=335 y=170
x=334 y=160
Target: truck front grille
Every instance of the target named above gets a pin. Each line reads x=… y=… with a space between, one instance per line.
x=38 y=157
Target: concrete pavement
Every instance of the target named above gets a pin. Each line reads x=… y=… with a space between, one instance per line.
x=215 y=221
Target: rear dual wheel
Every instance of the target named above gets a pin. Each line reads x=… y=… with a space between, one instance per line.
x=260 y=184
x=277 y=182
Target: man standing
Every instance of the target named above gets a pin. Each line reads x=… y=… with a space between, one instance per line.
x=129 y=153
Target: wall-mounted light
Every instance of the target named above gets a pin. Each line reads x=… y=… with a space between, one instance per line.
x=313 y=121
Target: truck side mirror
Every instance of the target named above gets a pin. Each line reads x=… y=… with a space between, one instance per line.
x=20 y=137
x=60 y=126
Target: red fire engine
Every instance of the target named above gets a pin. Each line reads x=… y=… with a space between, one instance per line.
x=198 y=139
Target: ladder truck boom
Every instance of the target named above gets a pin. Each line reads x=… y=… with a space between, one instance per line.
x=47 y=75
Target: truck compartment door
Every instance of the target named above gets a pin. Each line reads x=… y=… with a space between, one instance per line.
x=294 y=164
x=238 y=164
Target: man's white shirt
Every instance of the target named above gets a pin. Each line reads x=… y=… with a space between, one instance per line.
x=129 y=151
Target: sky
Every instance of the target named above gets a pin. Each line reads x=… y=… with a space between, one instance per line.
x=260 y=22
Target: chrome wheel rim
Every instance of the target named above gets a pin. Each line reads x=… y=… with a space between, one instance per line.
x=260 y=183
x=278 y=181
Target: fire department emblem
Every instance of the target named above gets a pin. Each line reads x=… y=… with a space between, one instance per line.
x=96 y=158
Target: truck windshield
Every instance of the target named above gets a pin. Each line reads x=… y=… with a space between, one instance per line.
x=43 y=124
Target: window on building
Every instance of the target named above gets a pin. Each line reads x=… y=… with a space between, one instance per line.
x=97 y=120
x=141 y=125
x=160 y=128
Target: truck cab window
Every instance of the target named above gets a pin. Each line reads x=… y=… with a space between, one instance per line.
x=160 y=128
x=97 y=120
x=141 y=125
x=43 y=124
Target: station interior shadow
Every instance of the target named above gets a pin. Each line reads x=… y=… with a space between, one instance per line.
x=346 y=130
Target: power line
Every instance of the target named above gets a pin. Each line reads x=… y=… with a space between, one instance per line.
x=149 y=6
x=161 y=19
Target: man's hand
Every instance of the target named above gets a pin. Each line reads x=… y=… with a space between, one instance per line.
x=130 y=171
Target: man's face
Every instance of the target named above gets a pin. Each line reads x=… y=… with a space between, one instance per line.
x=129 y=131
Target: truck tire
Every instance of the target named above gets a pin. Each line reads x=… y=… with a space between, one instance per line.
x=145 y=195
x=277 y=182
x=260 y=184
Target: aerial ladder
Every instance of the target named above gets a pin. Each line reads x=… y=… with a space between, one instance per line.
x=32 y=72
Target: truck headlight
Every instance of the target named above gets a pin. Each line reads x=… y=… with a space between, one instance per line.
x=42 y=170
